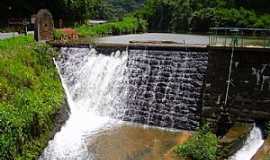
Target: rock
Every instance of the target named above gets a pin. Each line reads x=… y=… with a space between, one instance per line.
x=61 y=117
x=233 y=140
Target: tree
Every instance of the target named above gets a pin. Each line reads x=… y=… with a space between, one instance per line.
x=69 y=10
x=181 y=17
x=199 y=15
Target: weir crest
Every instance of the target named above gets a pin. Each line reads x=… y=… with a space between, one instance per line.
x=160 y=88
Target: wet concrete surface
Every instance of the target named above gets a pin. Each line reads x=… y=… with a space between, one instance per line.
x=135 y=142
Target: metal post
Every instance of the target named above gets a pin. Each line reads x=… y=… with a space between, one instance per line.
x=230 y=71
x=225 y=38
x=242 y=39
x=264 y=40
x=209 y=37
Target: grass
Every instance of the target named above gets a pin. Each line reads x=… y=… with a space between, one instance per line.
x=30 y=95
x=125 y=26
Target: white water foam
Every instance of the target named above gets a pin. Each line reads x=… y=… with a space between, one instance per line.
x=95 y=87
x=251 y=146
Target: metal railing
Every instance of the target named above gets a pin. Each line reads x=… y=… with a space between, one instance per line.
x=244 y=37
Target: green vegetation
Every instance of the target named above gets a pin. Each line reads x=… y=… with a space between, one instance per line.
x=70 y=11
x=58 y=34
x=30 y=95
x=199 y=15
x=122 y=7
x=127 y=25
x=203 y=145
x=162 y=15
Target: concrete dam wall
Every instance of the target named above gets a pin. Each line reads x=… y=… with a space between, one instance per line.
x=177 y=87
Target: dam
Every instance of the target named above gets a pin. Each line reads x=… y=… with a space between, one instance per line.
x=167 y=85
x=197 y=71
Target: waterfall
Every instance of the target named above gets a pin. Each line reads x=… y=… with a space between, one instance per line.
x=159 y=88
x=95 y=89
x=251 y=146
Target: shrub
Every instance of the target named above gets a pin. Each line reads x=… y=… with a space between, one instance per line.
x=126 y=25
x=202 y=146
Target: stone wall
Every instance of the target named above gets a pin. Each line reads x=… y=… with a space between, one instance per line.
x=249 y=93
x=165 y=87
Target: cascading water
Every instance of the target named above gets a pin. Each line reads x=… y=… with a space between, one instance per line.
x=251 y=146
x=95 y=88
x=165 y=87
x=160 y=88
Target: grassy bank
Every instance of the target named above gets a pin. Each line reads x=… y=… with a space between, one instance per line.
x=126 y=26
x=30 y=95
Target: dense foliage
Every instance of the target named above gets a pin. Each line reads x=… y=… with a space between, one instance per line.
x=88 y=9
x=202 y=146
x=199 y=15
x=30 y=95
x=122 y=7
x=127 y=25
x=162 y=15
x=69 y=10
